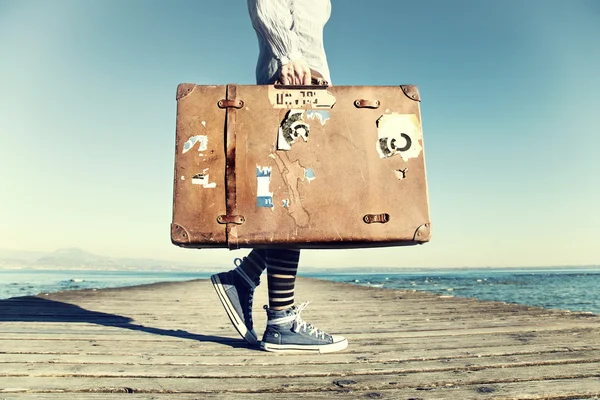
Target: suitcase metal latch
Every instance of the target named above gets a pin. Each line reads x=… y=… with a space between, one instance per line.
x=231 y=219
x=236 y=103
x=363 y=103
x=380 y=218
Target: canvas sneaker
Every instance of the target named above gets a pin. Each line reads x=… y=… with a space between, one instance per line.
x=287 y=333
x=236 y=291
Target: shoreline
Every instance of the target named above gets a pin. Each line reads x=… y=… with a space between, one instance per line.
x=166 y=284
x=470 y=285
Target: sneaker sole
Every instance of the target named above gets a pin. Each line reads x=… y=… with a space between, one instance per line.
x=295 y=348
x=238 y=323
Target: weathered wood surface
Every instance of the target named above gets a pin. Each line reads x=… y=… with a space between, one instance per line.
x=174 y=341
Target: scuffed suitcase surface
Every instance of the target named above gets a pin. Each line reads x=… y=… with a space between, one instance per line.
x=199 y=190
x=307 y=175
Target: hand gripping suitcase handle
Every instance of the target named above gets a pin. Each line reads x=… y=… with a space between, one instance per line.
x=317 y=82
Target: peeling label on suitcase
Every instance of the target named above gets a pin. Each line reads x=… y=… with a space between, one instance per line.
x=292 y=127
x=309 y=174
x=189 y=144
x=203 y=180
x=399 y=134
x=401 y=173
x=264 y=198
x=322 y=115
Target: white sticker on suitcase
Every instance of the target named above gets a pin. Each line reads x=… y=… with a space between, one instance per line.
x=264 y=198
x=292 y=127
x=401 y=173
x=189 y=144
x=399 y=134
x=202 y=179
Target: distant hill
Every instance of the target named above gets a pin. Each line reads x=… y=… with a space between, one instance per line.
x=70 y=258
x=74 y=258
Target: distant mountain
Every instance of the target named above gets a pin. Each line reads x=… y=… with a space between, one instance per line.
x=69 y=258
x=74 y=258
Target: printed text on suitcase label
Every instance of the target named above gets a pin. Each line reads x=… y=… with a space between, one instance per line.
x=297 y=98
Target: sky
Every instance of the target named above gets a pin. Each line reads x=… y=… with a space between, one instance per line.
x=510 y=108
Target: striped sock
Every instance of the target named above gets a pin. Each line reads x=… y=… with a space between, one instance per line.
x=282 y=266
x=252 y=266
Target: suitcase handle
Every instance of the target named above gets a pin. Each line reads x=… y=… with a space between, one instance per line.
x=302 y=87
x=317 y=82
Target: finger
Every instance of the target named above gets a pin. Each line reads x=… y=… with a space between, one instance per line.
x=307 y=78
x=293 y=78
x=299 y=76
x=285 y=75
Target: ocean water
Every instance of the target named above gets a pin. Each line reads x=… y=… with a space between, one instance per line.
x=15 y=283
x=567 y=289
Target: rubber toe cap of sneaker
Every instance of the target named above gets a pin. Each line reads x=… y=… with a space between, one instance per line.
x=339 y=339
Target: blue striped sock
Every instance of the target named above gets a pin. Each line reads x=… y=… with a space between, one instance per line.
x=282 y=267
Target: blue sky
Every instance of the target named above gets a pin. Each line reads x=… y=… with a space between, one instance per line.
x=511 y=120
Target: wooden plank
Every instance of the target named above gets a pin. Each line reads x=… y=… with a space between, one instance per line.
x=262 y=359
x=228 y=336
x=392 y=348
x=561 y=389
x=288 y=382
x=318 y=369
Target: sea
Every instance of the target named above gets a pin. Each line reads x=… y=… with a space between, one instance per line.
x=574 y=289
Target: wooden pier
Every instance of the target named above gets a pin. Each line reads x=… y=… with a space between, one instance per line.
x=174 y=341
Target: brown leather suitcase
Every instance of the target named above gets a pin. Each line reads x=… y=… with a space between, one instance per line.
x=299 y=167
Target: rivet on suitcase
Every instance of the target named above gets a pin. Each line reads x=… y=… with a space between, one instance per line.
x=299 y=166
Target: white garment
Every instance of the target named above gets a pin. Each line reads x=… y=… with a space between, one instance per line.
x=289 y=30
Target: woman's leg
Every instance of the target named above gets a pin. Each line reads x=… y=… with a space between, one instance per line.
x=282 y=266
x=286 y=331
x=235 y=289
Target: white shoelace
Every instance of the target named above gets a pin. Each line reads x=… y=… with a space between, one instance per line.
x=300 y=324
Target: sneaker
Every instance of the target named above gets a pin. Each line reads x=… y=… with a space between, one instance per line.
x=286 y=333
x=236 y=291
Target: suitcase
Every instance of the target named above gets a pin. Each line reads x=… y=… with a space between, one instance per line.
x=266 y=166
